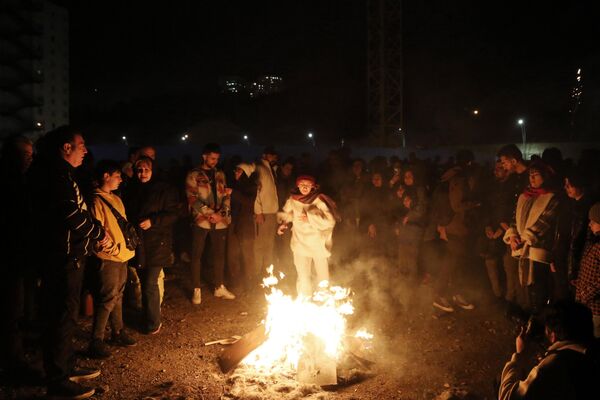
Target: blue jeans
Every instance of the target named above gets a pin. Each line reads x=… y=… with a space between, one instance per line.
x=150 y=297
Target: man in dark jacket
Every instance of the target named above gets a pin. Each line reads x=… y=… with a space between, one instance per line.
x=456 y=233
x=67 y=235
x=512 y=161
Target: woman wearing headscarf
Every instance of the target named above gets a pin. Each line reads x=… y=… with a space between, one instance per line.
x=532 y=236
x=153 y=207
x=312 y=216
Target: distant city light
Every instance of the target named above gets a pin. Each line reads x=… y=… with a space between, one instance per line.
x=475 y=112
x=38 y=124
x=124 y=137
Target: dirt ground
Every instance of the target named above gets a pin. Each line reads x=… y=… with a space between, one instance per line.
x=418 y=353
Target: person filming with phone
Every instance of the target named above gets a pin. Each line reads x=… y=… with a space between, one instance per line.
x=568 y=369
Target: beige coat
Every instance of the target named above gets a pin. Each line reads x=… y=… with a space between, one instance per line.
x=266 y=197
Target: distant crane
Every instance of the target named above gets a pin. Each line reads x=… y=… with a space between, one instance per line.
x=385 y=103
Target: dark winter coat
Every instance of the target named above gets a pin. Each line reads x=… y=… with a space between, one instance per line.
x=242 y=205
x=67 y=231
x=375 y=208
x=159 y=202
x=460 y=202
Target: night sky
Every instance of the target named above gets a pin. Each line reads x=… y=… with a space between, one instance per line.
x=156 y=68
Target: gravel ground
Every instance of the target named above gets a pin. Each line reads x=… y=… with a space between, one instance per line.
x=418 y=353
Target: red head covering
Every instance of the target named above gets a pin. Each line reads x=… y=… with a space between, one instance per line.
x=305 y=178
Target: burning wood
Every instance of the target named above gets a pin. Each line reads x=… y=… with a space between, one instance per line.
x=300 y=337
x=233 y=355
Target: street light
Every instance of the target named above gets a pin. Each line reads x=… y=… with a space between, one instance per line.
x=475 y=112
x=311 y=137
x=521 y=123
x=246 y=139
x=403 y=136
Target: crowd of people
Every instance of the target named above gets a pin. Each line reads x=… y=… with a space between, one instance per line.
x=534 y=225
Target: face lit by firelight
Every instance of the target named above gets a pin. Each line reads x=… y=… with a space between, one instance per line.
x=305 y=187
x=144 y=171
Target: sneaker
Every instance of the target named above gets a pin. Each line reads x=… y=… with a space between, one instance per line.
x=123 y=339
x=222 y=291
x=69 y=390
x=443 y=304
x=155 y=331
x=197 y=297
x=79 y=374
x=98 y=350
x=462 y=303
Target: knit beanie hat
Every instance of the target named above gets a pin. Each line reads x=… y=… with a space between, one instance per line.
x=594 y=213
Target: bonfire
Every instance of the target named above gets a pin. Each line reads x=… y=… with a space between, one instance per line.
x=305 y=339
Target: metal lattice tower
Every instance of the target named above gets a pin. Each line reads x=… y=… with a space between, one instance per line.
x=384 y=71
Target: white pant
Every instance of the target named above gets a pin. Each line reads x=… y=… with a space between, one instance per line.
x=304 y=284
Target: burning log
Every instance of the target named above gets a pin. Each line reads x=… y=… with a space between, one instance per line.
x=233 y=355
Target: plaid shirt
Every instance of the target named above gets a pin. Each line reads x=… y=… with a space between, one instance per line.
x=588 y=282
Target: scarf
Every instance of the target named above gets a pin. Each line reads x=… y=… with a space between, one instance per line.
x=535 y=192
x=312 y=196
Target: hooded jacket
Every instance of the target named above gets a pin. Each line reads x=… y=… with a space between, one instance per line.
x=566 y=372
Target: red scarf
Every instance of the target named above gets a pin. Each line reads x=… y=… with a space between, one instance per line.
x=312 y=196
x=535 y=192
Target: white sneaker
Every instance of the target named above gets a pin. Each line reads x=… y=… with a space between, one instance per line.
x=462 y=303
x=443 y=304
x=222 y=291
x=197 y=297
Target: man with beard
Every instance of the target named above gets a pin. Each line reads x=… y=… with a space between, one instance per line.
x=209 y=203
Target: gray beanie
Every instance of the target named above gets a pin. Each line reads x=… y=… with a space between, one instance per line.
x=594 y=213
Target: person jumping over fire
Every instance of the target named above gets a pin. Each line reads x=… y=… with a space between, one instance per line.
x=313 y=216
